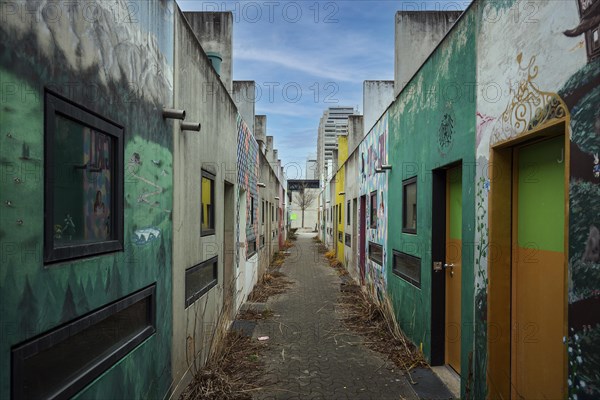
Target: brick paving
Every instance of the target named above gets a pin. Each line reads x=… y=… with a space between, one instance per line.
x=311 y=355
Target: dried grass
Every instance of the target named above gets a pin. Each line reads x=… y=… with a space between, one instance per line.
x=273 y=282
x=375 y=319
x=231 y=374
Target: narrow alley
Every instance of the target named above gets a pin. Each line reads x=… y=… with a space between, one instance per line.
x=310 y=354
x=341 y=199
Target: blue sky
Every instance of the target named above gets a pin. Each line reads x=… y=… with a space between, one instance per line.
x=306 y=56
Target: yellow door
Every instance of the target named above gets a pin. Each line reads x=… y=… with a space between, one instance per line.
x=453 y=266
x=538 y=272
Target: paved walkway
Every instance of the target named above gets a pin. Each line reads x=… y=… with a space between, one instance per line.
x=311 y=355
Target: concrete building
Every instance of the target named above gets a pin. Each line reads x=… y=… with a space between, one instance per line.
x=430 y=27
x=333 y=123
x=377 y=96
x=311 y=171
x=133 y=199
x=449 y=218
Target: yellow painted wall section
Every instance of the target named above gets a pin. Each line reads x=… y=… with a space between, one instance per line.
x=340 y=200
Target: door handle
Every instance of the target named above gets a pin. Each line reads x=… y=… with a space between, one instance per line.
x=451 y=266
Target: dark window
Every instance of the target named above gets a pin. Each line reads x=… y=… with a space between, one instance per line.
x=339 y=213
x=199 y=279
x=262 y=215
x=251 y=210
x=409 y=205
x=60 y=363
x=208 y=204
x=272 y=213
x=407 y=267
x=262 y=241
x=373 y=210
x=83 y=182
x=348 y=213
x=251 y=248
x=376 y=253
x=340 y=237
x=348 y=240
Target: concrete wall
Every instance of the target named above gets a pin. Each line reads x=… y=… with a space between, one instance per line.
x=417 y=35
x=310 y=213
x=214 y=30
x=355 y=132
x=244 y=97
x=377 y=96
x=101 y=65
x=351 y=187
x=260 y=131
x=433 y=134
x=209 y=150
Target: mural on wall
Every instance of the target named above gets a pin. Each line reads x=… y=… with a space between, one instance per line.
x=373 y=154
x=551 y=79
x=446 y=130
x=97 y=69
x=248 y=172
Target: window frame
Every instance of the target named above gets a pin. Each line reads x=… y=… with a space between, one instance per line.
x=214 y=261
x=375 y=260
x=95 y=367
x=54 y=105
x=405 y=183
x=348 y=213
x=208 y=231
x=373 y=218
x=410 y=258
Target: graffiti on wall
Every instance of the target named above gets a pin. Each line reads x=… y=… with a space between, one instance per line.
x=248 y=172
x=538 y=94
x=373 y=153
x=35 y=299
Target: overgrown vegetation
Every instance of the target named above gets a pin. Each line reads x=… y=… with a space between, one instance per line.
x=234 y=368
x=291 y=235
x=273 y=282
x=375 y=319
x=232 y=373
x=335 y=263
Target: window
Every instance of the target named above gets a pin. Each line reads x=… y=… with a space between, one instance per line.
x=409 y=205
x=262 y=215
x=340 y=237
x=407 y=267
x=272 y=213
x=199 y=279
x=373 y=210
x=339 y=213
x=348 y=213
x=262 y=241
x=376 y=253
x=348 y=239
x=60 y=363
x=251 y=210
x=208 y=201
x=251 y=248
x=83 y=182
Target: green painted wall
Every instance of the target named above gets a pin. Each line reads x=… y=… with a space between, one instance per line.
x=432 y=124
x=36 y=298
